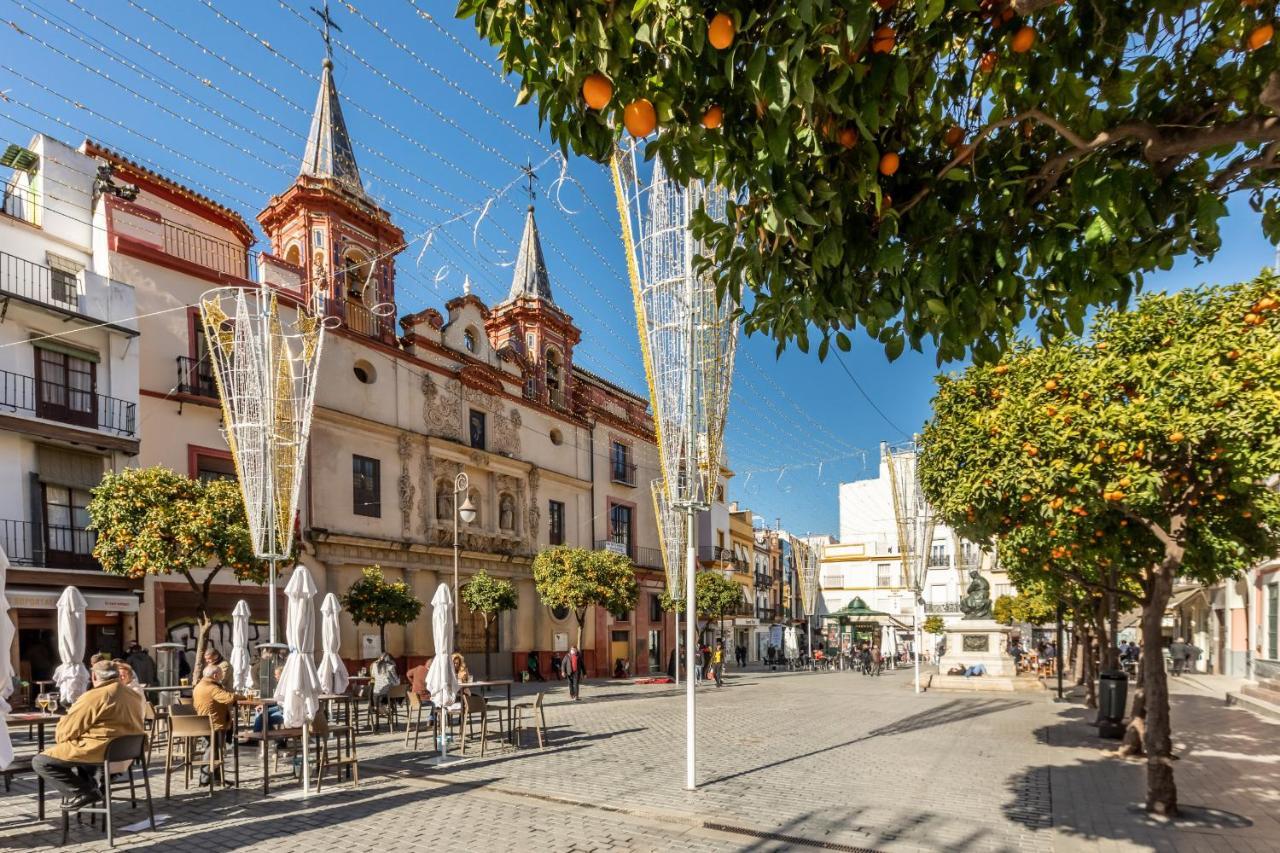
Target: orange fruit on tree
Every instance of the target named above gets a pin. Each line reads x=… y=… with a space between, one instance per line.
x=988 y=62
x=1000 y=369
x=713 y=117
x=1051 y=385
x=848 y=137
x=640 y=118
x=889 y=163
x=1176 y=437
x=953 y=136
x=884 y=39
x=1022 y=40
x=597 y=91
x=1233 y=355
x=886 y=201
x=1260 y=37
x=1268 y=303
x=1252 y=319
x=720 y=31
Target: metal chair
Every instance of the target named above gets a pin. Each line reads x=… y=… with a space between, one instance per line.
x=131 y=748
x=471 y=707
x=413 y=717
x=343 y=735
x=187 y=728
x=537 y=717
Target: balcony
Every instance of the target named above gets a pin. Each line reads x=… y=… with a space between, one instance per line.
x=645 y=558
x=197 y=248
x=766 y=613
x=67 y=405
x=943 y=562
x=763 y=581
x=942 y=607
x=361 y=319
x=621 y=471
x=37 y=283
x=195 y=377
x=22 y=204
x=62 y=548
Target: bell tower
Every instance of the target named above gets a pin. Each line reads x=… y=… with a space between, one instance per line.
x=341 y=242
x=530 y=322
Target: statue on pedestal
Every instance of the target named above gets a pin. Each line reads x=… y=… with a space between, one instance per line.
x=976 y=603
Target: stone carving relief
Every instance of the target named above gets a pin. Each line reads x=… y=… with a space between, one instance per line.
x=426 y=476
x=441 y=410
x=478 y=399
x=405 y=485
x=506 y=433
x=507 y=513
x=531 y=531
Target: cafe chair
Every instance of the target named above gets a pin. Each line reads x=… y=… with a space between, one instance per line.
x=413 y=717
x=131 y=748
x=186 y=730
x=343 y=737
x=537 y=719
x=473 y=706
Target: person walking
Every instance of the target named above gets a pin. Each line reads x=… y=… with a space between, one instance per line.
x=144 y=667
x=717 y=663
x=1177 y=656
x=572 y=667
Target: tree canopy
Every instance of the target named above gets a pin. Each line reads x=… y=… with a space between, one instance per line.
x=925 y=169
x=374 y=600
x=154 y=521
x=488 y=596
x=717 y=597
x=934 y=624
x=1149 y=450
x=577 y=578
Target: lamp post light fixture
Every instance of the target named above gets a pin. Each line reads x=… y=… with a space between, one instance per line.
x=467 y=512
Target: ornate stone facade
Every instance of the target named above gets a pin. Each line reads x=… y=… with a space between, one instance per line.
x=441 y=409
x=405 y=485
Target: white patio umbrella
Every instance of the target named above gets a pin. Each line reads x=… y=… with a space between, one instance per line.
x=71 y=676
x=7 y=634
x=790 y=643
x=333 y=672
x=241 y=665
x=299 y=684
x=442 y=681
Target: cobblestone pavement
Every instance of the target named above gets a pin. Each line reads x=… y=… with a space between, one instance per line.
x=786 y=761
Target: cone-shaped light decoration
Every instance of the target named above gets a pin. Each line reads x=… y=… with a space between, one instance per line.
x=914 y=516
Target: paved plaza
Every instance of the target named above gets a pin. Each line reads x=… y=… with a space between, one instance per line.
x=788 y=761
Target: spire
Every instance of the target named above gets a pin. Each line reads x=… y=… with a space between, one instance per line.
x=329 y=153
x=530 y=277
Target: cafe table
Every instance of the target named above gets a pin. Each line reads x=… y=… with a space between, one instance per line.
x=261 y=704
x=39 y=721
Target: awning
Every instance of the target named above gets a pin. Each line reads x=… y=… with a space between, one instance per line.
x=31 y=598
x=1182 y=596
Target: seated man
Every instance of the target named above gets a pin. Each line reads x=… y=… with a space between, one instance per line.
x=107 y=711
x=418 y=680
x=212 y=700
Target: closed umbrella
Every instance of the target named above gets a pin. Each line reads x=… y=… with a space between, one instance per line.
x=241 y=665
x=442 y=681
x=299 y=686
x=333 y=672
x=71 y=676
x=6 y=664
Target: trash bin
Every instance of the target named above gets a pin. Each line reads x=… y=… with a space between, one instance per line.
x=1113 y=688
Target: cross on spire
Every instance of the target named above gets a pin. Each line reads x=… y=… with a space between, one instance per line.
x=531 y=176
x=328 y=23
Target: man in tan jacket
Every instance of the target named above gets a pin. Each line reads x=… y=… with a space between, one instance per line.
x=211 y=699
x=107 y=711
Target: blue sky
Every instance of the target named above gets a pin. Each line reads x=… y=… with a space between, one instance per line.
x=223 y=104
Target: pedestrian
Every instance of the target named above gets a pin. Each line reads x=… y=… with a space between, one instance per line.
x=144 y=667
x=877 y=661
x=417 y=677
x=1050 y=657
x=531 y=664
x=717 y=663
x=107 y=711
x=1177 y=656
x=572 y=665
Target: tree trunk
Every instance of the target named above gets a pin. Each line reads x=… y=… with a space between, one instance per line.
x=582 y=621
x=382 y=637
x=487 y=672
x=1162 y=793
x=203 y=626
x=1087 y=666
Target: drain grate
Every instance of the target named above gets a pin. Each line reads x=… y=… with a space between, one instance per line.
x=787 y=839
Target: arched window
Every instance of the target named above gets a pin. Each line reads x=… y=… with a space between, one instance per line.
x=469 y=339
x=356 y=269
x=293 y=255
x=554 y=367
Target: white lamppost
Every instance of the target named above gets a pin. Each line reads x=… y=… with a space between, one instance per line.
x=915 y=523
x=467 y=512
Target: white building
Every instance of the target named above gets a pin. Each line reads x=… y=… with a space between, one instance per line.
x=68 y=394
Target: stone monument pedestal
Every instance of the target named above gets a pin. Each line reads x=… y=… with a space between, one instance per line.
x=971 y=642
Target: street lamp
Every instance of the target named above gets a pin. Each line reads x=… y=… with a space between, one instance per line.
x=468 y=514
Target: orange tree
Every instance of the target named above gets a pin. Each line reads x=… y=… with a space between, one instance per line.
x=937 y=169
x=577 y=578
x=1146 y=449
x=153 y=521
x=372 y=599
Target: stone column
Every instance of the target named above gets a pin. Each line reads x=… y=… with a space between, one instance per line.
x=419 y=641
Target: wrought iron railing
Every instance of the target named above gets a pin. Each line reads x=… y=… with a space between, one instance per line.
x=645 y=558
x=15 y=537
x=763 y=580
x=21 y=203
x=195 y=376
x=359 y=318
x=67 y=405
x=39 y=283
x=942 y=562
x=623 y=472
